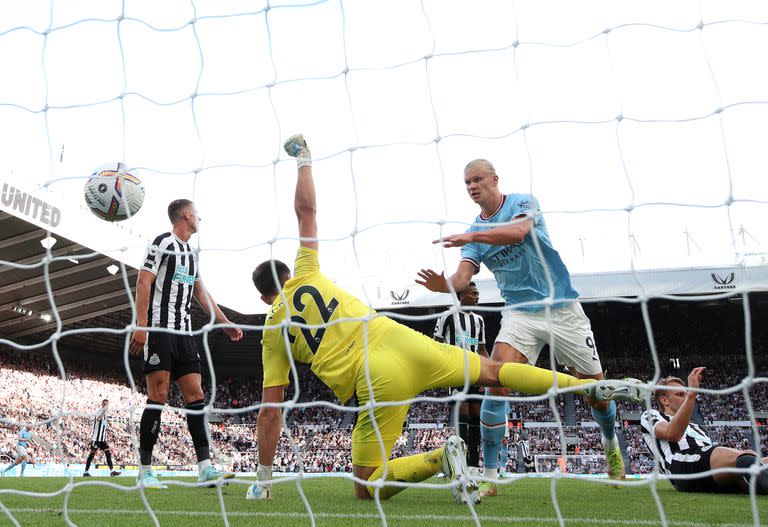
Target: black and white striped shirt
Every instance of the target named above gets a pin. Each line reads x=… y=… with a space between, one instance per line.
x=175 y=267
x=100 y=423
x=686 y=450
x=469 y=334
x=525 y=448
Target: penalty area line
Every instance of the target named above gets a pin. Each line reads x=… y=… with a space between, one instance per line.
x=371 y=516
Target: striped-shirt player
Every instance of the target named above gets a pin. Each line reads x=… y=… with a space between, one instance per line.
x=684 y=449
x=466 y=330
x=100 y=425
x=168 y=279
x=99 y=439
x=174 y=264
x=463 y=329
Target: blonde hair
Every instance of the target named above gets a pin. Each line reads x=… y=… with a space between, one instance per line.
x=480 y=163
x=666 y=381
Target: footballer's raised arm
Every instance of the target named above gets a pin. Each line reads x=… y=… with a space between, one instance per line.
x=304 y=203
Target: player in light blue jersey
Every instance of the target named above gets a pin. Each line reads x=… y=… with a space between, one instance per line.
x=22 y=456
x=510 y=237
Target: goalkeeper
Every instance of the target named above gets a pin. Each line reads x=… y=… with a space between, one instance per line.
x=319 y=323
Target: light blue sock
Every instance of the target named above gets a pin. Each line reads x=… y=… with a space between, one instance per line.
x=504 y=452
x=606 y=419
x=503 y=456
x=9 y=467
x=493 y=426
x=23 y=466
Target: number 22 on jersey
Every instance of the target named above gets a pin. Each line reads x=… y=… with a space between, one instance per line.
x=326 y=312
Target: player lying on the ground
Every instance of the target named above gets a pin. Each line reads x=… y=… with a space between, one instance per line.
x=317 y=322
x=685 y=449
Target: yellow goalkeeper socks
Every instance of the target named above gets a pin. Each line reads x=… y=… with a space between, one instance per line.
x=535 y=381
x=411 y=469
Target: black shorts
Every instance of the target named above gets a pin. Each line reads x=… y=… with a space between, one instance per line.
x=702 y=484
x=99 y=445
x=171 y=352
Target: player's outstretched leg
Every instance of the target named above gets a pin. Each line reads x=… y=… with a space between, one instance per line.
x=536 y=381
x=450 y=459
x=455 y=469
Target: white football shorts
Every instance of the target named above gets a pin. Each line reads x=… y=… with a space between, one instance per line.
x=528 y=332
x=20 y=451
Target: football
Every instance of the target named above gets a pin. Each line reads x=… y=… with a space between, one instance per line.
x=112 y=193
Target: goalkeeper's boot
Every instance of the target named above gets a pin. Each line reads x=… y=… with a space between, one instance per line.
x=259 y=491
x=455 y=468
x=614 y=461
x=86 y=474
x=148 y=480
x=627 y=390
x=210 y=473
x=487 y=489
x=113 y=474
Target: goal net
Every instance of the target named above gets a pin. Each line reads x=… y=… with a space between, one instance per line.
x=639 y=130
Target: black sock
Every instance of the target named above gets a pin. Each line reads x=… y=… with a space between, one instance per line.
x=88 y=461
x=473 y=445
x=747 y=461
x=148 y=432
x=464 y=427
x=196 y=425
x=108 y=454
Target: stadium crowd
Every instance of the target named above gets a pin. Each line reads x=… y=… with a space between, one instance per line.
x=33 y=391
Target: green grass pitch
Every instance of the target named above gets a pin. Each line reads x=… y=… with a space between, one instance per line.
x=521 y=503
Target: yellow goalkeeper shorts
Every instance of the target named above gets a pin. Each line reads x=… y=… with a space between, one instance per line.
x=402 y=364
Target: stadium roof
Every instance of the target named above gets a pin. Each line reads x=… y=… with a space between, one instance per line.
x=85 y=291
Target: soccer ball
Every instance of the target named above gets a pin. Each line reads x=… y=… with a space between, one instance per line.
x=112 y=193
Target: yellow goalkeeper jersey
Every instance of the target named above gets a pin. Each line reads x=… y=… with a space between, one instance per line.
x=314 y=308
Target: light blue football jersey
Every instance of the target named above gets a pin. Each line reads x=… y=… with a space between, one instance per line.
x=518 y=270
x=24 y=437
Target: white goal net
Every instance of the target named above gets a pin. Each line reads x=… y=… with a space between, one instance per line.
x=639 y=128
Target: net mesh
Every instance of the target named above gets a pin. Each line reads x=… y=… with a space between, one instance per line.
x=519 y=90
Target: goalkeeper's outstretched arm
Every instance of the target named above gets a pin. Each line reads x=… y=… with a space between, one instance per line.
x=304 y=202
